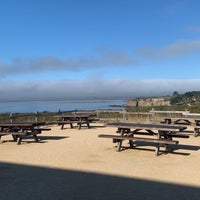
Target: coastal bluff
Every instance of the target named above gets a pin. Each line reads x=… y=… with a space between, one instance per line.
x=148 y=101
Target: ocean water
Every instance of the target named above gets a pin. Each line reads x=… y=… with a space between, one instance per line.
x=22 y=106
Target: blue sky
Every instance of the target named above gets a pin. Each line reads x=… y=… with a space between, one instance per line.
x=72 y=48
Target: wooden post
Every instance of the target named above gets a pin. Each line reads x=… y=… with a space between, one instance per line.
x=124 y=114
x=36 y=117
x=152 y=116
x=11 y=117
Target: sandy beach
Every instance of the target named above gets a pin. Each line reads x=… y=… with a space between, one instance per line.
x=76 y=164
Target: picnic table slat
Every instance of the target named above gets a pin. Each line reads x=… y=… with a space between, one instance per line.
x=159 y=141
x=146 y=126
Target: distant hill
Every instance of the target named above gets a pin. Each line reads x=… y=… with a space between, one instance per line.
x=148 y=101
x=187 y=98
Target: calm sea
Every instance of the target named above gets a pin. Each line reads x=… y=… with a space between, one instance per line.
x=55 y=105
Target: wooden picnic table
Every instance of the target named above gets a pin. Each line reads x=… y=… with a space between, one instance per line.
x=79 y=119
x=189 y=122
x=22 y=130
x=156 y=134
x=173 y=120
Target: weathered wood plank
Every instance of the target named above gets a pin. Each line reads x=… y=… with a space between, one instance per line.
x=157 y=141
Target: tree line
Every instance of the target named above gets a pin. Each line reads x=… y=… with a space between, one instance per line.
x=186 y=98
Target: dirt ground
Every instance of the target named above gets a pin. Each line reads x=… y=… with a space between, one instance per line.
x=76 y=164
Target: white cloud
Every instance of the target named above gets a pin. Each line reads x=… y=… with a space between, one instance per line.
x=100 y=59
x=96 y=88
x=174 y=50
x=51 y=63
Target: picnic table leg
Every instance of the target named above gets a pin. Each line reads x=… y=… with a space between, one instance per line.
x=131 y=144
x=62 y=126
x=79 y=126
x=163 y=135
x=196 y=132
x=119 y=144
x=36 y=138
x=167 y=147
x=71 y=125
x=157 y=149
x=19 y=139
x=88 y=125
x=168 y=121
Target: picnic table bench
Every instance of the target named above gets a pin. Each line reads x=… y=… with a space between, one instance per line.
x=21 y=131
x=162 y=135
x=189 y=122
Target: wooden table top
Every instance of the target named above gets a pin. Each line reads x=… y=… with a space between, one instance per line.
x=146 y=126
x=24 y=124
